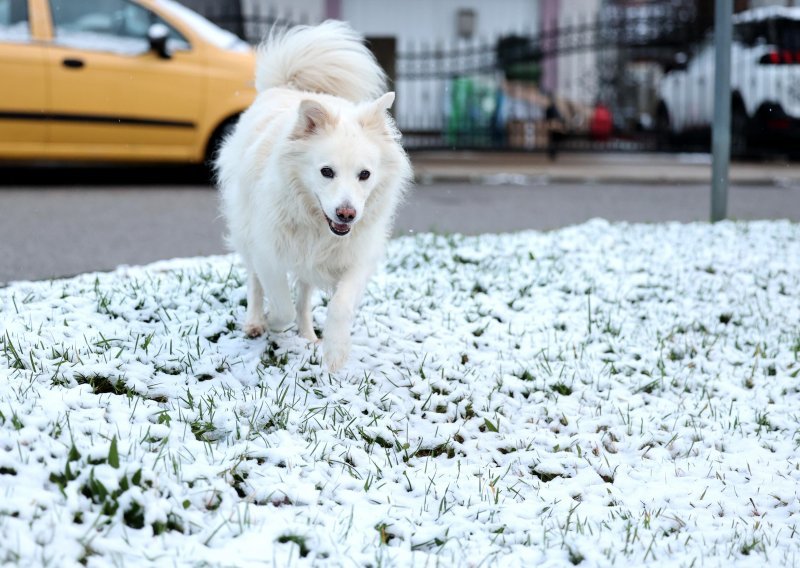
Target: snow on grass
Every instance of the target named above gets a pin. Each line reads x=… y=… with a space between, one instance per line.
x=600 y=395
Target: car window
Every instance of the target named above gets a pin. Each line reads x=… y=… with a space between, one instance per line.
x=210 y=32
x=779 y=32
x=117 y=26
x=750 y=33
x=14 y=20
x=788 y=34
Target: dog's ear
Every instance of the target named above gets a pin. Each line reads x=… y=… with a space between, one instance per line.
x=311 y=117
x=385 y=101
x=374 y=113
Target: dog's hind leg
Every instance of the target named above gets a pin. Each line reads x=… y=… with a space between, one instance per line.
x=254 y=322
x=305 y=324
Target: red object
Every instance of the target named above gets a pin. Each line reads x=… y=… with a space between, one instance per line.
x=600 y=125
x=785 y=57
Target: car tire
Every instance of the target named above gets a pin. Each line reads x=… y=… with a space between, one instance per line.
x=740 y=147
x=215 y=140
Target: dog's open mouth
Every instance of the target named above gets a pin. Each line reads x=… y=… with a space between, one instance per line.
x=339 y=229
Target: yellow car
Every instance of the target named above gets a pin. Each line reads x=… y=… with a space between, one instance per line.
x=117 y=80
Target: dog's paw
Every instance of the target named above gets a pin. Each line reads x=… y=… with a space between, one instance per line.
x=254 y=328
x=309 y=335
x=335 y=353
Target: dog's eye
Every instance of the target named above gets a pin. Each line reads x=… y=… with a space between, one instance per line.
x=327 y=172
x=363 y=175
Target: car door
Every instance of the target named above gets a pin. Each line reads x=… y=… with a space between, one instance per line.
x=111 y=95
x=23 y=96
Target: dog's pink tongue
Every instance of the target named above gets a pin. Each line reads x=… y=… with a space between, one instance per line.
x=341 y=227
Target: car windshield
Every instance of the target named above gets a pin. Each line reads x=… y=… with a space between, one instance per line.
x=208 y=30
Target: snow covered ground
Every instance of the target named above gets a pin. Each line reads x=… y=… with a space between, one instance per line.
x=599 y=395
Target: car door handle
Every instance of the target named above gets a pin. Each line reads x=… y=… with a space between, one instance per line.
x=72 y=63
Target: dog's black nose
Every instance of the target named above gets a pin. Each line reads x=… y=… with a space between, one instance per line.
x=345 y=214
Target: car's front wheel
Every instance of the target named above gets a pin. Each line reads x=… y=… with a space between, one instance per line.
x=215 y=141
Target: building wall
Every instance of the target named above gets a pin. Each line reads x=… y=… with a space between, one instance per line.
x=577 y=72
x=296 y=11
x=428 y=24
x=548 y=18
x=416 y=22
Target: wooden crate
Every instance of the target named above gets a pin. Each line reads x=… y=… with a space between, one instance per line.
x=528 y=134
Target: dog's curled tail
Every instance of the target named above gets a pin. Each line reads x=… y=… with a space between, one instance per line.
x=329 y=58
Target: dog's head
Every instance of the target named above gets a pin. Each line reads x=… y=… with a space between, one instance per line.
x=340 y=161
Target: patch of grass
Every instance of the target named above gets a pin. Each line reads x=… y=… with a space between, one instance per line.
x=649 y=387
x=440 y=450
x=12 y=356
x=542 y=476
x=753 y=544
x=102 y=384
x=384 y=534
x=271 y=357
x=201 y=429
x=134 y=515
x=297 y=539
x=478 y=289
x=379 y=440
x=562 y=389
x=762 y=420
x=478 y=331
x=574 y=556
x=463 y=260
x=526 y=375
x=173 y=523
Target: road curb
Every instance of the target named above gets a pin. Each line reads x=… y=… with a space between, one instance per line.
x=598 y=168
x=507 y=178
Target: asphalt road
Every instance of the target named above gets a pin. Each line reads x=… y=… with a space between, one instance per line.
x=69 y=224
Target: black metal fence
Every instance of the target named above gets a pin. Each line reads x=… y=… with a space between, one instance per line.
x=582 y=84
x=251 y=23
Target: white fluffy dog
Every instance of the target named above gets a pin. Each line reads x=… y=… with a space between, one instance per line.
x=310 y=179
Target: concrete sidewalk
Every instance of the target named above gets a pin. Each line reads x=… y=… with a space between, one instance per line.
x=635 y=168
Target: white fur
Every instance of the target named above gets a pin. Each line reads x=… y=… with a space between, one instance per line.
x=318 y=106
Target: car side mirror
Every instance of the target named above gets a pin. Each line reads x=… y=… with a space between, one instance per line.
x=157 y=35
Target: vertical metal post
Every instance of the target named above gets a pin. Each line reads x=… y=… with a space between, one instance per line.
x=721 y=134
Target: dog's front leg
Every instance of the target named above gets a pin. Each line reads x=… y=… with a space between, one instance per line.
x=341 y=311
x=305 y=322
x=281 y=308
